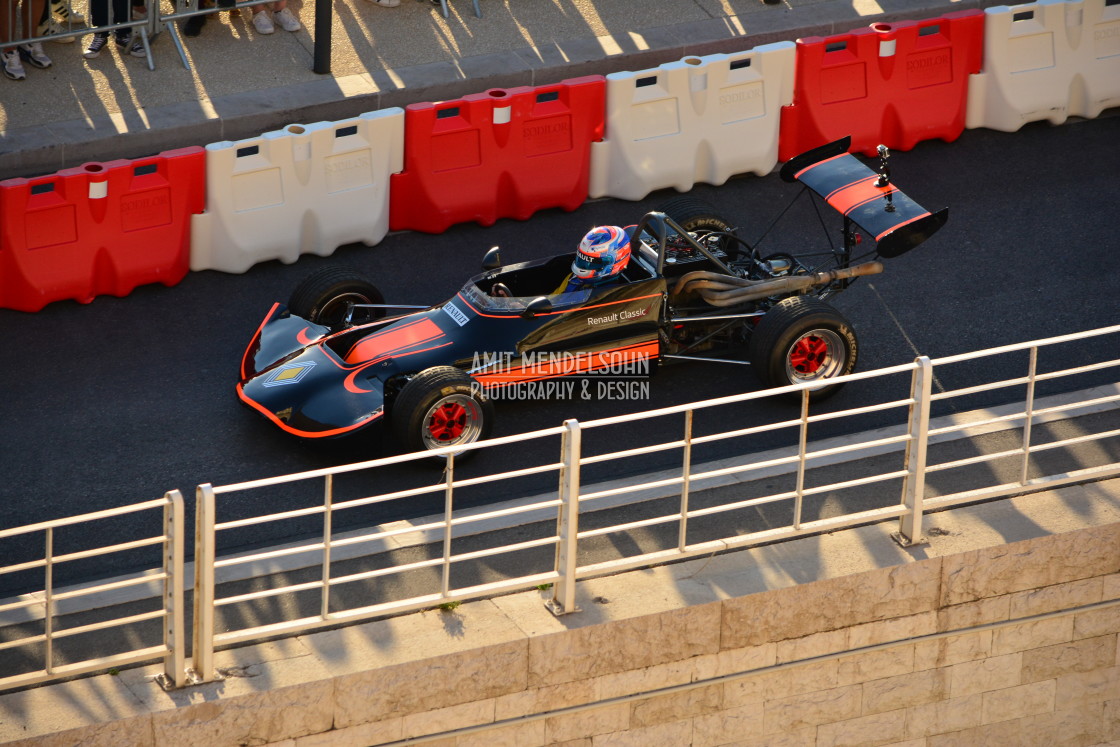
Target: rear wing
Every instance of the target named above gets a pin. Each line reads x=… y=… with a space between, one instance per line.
x=864 y=197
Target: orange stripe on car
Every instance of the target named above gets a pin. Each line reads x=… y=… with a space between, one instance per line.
x=305 y=339
x=851 y=196
x=382 y=344
x=296 y=431
x=351 y=380
x=812 y=166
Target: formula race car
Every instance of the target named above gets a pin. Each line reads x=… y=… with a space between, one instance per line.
x=332 y=363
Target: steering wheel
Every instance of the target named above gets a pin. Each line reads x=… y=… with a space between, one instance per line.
x=500 y=290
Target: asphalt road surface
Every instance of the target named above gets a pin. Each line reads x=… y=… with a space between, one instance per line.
x=118 y=401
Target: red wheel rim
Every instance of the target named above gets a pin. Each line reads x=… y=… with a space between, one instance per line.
x=447 y=422
x=815 y=355
x=808 y=354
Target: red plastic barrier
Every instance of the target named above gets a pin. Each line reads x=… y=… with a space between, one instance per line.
x=505 y=153
x=100 y=228
x=892 y=83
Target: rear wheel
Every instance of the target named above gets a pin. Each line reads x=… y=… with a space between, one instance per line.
x=803 y=339
x=440 y=407
x=326 y=297
x=696 y=216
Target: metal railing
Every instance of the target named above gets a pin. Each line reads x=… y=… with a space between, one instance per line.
x=170 y=579
x=573 y=501
x=1026 y=418
x=208 y=531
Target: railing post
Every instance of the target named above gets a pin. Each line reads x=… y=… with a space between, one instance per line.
x=204 y=540
x=567 y=522
x=802 y=447
x=914 y=485
x=1028 y=417
x=448 y=508
x=174 y=592
x=328 y=533
x=48 y=603
x=686 y=470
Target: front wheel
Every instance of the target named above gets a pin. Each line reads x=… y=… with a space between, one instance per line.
x=327 y=296
x=440 y=407
x=803 y=340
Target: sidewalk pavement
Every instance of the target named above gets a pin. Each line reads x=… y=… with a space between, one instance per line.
x=242 y=84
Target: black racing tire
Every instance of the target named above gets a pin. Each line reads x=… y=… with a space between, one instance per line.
x=803 y=339
x=696 y=216
x=440 y=407
x=326 y=295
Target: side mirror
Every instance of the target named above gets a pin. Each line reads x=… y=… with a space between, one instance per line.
x=539 y=305
x=492 y=260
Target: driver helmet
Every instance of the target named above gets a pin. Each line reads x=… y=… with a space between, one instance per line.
x=602 y=254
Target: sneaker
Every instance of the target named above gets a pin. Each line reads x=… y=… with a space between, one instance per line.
x=51 y=27
x=61 y=10
x=13 y=68
x=34 y=54
x=287 y=21
x=96 y=44
x=137 y=48
x=262 y=23
x=122 y=37
x=386 y=3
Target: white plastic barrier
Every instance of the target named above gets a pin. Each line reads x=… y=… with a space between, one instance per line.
x=1046 y=60
x=306 y=189
x=702 y=119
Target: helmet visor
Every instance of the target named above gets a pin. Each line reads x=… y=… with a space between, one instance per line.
x=586 y=265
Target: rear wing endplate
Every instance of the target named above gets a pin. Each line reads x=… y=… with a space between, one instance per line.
x=865 y=197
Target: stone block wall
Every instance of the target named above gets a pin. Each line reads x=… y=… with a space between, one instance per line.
x=1010 y=644
x=1048 y=680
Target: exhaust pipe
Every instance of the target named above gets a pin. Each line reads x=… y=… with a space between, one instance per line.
x=728 y=290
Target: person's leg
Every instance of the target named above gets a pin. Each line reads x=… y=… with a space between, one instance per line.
x=33 y=52
x=99 y=12
x=99 y=16
x=194 y=24
x=9 y=56
x=138 y=11
x=122 y=13
x=33 y=10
